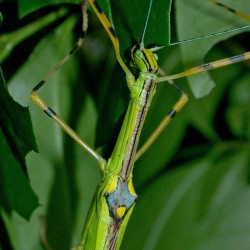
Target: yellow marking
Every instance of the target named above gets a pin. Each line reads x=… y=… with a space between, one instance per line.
x=181 y=103
x=112 y=185
x=236 y=12
x=120 y=212
x=242 y=15
x=151 y=58
x=213 y=65
x=131 y=187
x=41 y=104
x=106 y=24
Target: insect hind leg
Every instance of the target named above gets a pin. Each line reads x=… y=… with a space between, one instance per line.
x=235 y=12
x=49 y=111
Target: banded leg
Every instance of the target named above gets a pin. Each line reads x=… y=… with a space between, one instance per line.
x=208 y=66
x=184 y=98
x=235 y=12
x=195 y=70
x=111 y=32
x=50 y=112
x=165 y=121
x=218 y=63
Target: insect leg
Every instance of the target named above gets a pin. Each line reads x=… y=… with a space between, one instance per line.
x=111 y=32
x=50 y=112
x=166 y=120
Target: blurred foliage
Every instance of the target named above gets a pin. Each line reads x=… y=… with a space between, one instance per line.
x=15 y=144
x=193 y=183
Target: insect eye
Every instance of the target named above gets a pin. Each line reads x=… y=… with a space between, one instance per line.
x=139 y=54
x=156 y=57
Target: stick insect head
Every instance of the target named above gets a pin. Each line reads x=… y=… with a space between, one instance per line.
x=144 y=58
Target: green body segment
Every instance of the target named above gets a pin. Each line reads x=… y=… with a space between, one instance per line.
x=115 y=197
x=102 y=230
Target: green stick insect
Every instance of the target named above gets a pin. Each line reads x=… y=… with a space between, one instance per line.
x=115 y=196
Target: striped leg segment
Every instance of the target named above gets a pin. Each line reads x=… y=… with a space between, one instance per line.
x=165 y=121
x=208 y=66
x=184 y=98
x=111 y=32
x=50 y=112
x=195 y=70
x=72 y=51
x=235 y=12
x=215 y=64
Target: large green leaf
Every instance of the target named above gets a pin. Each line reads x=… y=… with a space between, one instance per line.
x=10 y=40
x=203 y=205
x=196 y=19
x=16 y=193
x=93 y=88
x=129 y=25
x=59 y=166
x=12 y=117
x=25 y=7
x=238 y=113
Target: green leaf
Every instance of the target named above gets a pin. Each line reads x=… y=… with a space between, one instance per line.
x=49 y=49
x=129 y=28
x=15 y=144
x=91 y=87
x=191 y=207
x=12 y=117
x=62 y=167
x=1 y=18
x=205 y=108
x=238 y=114
x=25 y=7
x=129 y=25
x=194 y=20
x=9 y=41
x=16 y=193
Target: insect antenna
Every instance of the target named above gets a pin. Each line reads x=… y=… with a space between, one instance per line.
x=145 y=26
